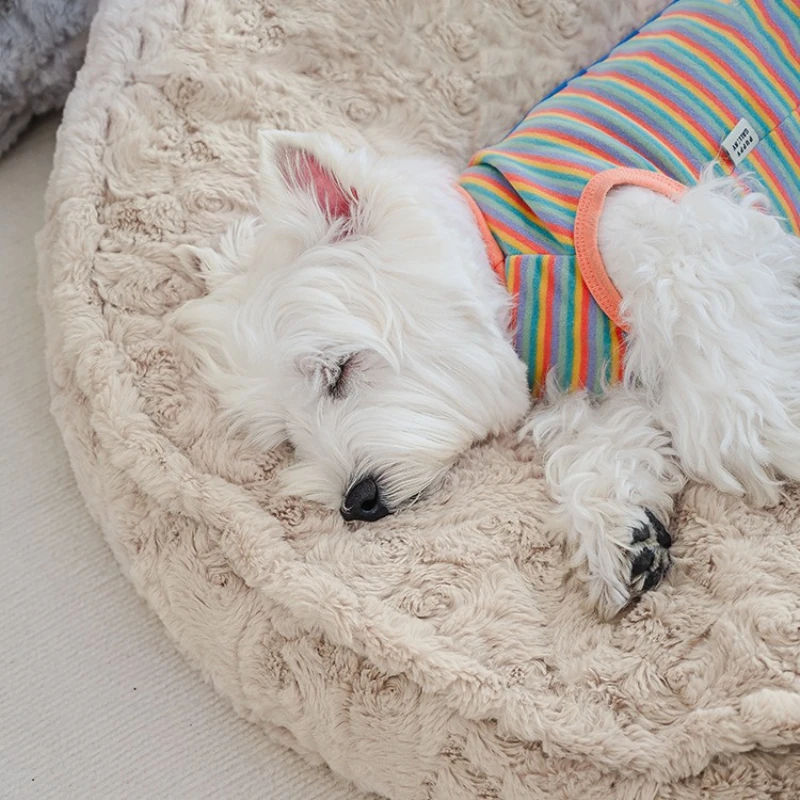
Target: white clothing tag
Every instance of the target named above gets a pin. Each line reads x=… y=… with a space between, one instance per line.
x=740 y=141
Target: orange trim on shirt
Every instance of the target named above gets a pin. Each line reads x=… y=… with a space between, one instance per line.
x=587 y=224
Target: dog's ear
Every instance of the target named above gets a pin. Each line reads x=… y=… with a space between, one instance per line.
x=306 y=167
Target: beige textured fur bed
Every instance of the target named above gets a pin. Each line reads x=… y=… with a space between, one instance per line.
x=446 y=653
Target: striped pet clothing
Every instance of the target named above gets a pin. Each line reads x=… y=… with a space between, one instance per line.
x=706 y=80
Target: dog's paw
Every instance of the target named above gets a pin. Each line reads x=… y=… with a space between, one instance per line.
x=641 y=562
x=648 y=555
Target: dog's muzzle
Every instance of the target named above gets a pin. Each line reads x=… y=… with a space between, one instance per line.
x=363 y=502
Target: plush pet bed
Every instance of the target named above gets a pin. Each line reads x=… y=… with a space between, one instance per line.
x=41 y=49
x=447 y=652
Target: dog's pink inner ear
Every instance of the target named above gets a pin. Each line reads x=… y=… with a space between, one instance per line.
x=304 y=171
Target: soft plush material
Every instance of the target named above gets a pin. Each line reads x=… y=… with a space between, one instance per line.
x=446 y=652
x=41 y=49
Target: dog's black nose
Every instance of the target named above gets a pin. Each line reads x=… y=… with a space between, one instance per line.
x=363 y=502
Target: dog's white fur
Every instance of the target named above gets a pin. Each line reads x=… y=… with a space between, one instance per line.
x=402 y=284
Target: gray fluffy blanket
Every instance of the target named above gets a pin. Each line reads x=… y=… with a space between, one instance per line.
x=41 y=50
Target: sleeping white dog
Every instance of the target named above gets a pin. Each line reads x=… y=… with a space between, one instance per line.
x=359 y=317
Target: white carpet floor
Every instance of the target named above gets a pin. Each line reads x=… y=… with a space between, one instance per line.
x=95 y=702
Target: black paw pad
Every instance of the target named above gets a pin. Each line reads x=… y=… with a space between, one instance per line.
x=649 y=555
x=662 y=534
x=642 y=562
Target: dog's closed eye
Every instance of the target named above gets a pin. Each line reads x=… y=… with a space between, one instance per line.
x=337 y=377
x=331 y=374
x=336 y=374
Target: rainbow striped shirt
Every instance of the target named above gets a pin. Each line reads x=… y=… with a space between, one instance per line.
x=663 y=102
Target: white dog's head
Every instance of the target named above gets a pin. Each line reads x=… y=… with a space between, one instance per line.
x=358 y=318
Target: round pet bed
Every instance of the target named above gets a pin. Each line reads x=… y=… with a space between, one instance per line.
x=447 y=652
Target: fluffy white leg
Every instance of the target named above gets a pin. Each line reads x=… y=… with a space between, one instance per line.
x=710 y=288
x=613 y=476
